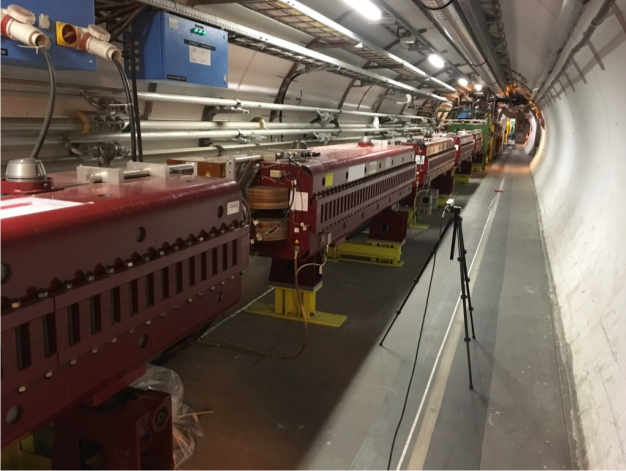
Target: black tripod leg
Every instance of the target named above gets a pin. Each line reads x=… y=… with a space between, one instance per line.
x=463 y=257
x=464 y=300
x=456 y=228
x=416 y=280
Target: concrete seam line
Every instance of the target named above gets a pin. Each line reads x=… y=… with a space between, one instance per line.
x=445 y=338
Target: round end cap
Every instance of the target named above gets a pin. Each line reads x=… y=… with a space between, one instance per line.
x=21 y=14
x=98 y=32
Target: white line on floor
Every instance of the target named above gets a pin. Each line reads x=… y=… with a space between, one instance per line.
x=239 y=311
x=492 y=210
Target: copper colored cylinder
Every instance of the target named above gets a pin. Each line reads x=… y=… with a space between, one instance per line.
x=267 y=197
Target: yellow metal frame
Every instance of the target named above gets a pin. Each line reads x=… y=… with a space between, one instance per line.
x=388 y=254
x=286 y=307
x=477 y=167
x=21 y=455
x=460 y=179
x=413 y=216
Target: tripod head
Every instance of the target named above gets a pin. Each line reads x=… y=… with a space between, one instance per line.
x=451 y=208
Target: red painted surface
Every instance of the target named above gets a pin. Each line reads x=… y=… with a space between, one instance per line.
x=148 y=261
x=365 y=182
x=465 y=148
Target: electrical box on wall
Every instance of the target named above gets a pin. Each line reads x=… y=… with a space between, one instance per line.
x=177 y=49
x=57 y=19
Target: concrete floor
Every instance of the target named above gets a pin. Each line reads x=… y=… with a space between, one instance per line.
x=337 y=405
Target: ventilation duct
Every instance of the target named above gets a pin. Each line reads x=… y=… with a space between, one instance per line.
x=448 y=16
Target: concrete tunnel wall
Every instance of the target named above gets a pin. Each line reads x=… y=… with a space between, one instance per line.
x=579 y=173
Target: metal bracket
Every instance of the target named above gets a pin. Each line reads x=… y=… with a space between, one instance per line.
x=325 y=117
x=107 y=175
x=244 y=138
x=323 y=137
x=106 y=106
x=580 y=72
x=595 y=54
x=569 y=81
x=620 y=17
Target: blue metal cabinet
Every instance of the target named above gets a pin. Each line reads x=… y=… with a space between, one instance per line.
x=174 y=48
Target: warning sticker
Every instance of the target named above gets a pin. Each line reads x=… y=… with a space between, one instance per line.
x=328 y=179
x=28 y=205
x=199 y=55
x=232 y=208
x=207 y=174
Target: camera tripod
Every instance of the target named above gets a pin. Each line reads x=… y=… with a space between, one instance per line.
x=458 y=244
x=466 y=299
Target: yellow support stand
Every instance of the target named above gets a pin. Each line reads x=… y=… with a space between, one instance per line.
x=388 y=254
x=461 y=179
x=21 y=455
x=412 y=220
x=286 y=307
x=477 y=167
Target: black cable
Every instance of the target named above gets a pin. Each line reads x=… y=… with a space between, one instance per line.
x=437 y=8
x=131 y=111
x=119 y=30
x=133 y=75
x=51 y=101
x=419 y=341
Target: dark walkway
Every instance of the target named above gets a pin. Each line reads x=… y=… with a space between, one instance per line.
x=337 y=405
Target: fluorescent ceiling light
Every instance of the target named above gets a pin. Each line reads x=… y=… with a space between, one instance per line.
x=478 y=87
x=366 y=8
x=463 y=82
x=437 y=61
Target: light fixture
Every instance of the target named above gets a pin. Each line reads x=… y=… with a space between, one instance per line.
x=463 y=82
x=478 y=87
x=366 y=8
x=437 y=61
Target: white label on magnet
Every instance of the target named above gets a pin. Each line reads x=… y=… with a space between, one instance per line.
x=172 y=22
x=199 y=55
x=387 y=162
x=28 y=205
x=301 y=201
x=232 y=208
x=356 y=172
x=373 y=167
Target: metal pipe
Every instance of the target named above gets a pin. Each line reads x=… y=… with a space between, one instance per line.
x=584 y=41
x=198 y=125
x=248 y=105
x=216 y=134
x=34 y=125
x=447 y=15
x=565 y=24
x=211 y=151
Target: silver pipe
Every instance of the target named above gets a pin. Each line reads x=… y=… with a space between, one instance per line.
x=229 y=103
x=211 y=151
x=447 y=15
x=595 y=22
x=199 y=125
x=34 y=125
x=570 y=13
x=215 y=134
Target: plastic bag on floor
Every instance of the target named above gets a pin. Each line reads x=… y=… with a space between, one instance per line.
x=186 y=428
